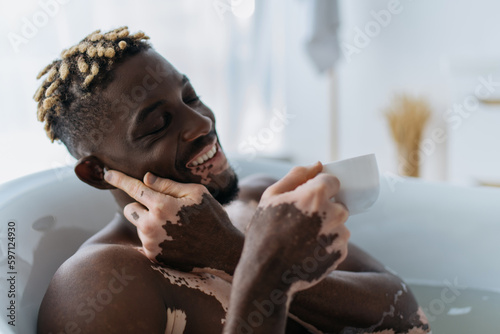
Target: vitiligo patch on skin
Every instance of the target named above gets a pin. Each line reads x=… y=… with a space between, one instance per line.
x=219 y=273
x=176 y=322
x=326 y=257
x=204 y=220
x=205 y=171
x=397 y=295
x=326 y=219
x=422 y=316
x=209 y=284
x=173 y=218
x=422 y=328
x=324 y=210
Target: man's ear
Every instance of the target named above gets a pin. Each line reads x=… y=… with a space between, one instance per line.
x=91 y=171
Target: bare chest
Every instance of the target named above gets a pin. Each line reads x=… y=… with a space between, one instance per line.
x=197 y=302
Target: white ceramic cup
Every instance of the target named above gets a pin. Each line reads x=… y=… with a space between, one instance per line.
x=359 y=182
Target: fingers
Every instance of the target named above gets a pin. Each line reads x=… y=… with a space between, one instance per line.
x=133 y=187
x=172 y=188
x=135 y=213
x=341 y=242
x=339 y=212
x=294 y=178
x=323 y=184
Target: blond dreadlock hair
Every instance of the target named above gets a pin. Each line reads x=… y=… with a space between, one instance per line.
x=65 y=101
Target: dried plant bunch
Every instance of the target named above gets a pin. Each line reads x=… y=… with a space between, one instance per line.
x=407 y=117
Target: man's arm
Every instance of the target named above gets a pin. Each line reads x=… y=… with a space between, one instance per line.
x=372 y=298
x=294 y=221
x=360 y=294
x=360 y=282
x=251 y=309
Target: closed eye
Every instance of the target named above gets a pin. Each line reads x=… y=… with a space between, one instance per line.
x=166 y=118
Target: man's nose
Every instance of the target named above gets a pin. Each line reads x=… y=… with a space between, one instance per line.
x=195 y=125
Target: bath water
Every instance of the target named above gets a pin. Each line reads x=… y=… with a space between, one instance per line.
x=459 y=311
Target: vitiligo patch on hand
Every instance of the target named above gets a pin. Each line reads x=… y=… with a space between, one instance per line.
x=173 y=208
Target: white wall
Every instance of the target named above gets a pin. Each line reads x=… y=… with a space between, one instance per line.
x=407 y=56
x=307 y=92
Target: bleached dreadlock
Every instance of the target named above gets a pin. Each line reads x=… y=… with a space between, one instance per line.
x=67 y=102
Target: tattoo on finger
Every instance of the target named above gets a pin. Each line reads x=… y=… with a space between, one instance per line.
x=135 y=215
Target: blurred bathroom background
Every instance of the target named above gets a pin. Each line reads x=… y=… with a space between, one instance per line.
x=297 y=80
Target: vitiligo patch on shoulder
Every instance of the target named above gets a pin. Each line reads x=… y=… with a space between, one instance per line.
x=208 y=284
x=176 y=321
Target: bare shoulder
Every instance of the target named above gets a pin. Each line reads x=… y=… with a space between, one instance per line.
x=98 y=288
x=114 y=288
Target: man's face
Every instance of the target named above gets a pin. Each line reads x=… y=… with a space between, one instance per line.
x=160 y=126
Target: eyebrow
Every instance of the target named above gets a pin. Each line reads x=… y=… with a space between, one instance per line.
x=142 y=115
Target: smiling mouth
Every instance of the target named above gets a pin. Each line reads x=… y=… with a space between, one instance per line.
x=204 y=156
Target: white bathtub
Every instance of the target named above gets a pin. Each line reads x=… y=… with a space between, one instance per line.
x=443 y=240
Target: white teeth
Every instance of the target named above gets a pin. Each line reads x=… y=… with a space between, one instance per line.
x=209 y=155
